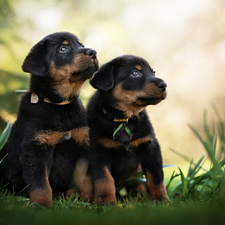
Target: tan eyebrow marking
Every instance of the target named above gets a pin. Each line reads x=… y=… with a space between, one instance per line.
x=65 y=42
x=79 y=41
x=138 y=67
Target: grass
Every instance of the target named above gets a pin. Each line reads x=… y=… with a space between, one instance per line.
x=72 y=211
x=198 y=196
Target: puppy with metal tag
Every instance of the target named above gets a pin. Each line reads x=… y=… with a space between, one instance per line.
x=50 y=136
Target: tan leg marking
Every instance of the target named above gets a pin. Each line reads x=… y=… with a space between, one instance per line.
x=155 y=192
x=139 y=141
x=86 y=189
x=140 y=188
x=109 y=143
x=69 y=193
x=81 y=135
x=82 y=181
x=50 y=137
x=105 y=190
x=42 y=196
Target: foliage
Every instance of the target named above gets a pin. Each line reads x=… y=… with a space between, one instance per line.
x=199 y=180
x=196 y=197
x=5 y=135
x=15 y=210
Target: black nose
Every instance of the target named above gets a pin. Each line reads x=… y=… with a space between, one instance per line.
x=162 y=86
x=91 y=52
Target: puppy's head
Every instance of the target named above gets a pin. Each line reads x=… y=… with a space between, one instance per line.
x=132 y=83
x=61 y=62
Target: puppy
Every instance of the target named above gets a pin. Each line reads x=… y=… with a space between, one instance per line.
x=121 y=134
x=50 y=134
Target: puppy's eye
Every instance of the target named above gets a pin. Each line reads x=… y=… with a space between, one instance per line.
x=136 y=73
x=63 y=49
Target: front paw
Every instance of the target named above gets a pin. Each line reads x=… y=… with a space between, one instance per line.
x=105 y=199
x=41 y=197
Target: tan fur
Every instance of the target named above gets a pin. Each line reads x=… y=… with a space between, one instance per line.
x=155 y=192
x=51 y=137
x=109 y=143
x=68 y=85
x=139 y=141
x=81 y=135
x=128 y=101
x=105 y=190
x=80 y=180
x=65 y=85
x=86 y=189
x=140 y=187
x=69 y=193
x=151 y=90
x=65 y=42
x=42 y=196
x=138 y=67
x=81 y=61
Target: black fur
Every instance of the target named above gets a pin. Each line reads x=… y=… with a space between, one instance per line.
x=34 y=160
x=115 y=159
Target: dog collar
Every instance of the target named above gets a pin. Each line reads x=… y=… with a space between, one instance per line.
x=59 y=103
x=35 y=99
x=111 y=117
x=123 y=123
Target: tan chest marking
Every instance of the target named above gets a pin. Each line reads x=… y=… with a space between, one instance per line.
x=81 y=135
x=109 y=143
x=49 y=137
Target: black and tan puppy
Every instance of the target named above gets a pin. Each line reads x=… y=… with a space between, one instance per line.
x=121 y=134
x=51 y=131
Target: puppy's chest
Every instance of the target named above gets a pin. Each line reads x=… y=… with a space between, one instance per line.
x=124 y=141
x=130 y=135
x=64 y=126
x=50 y=137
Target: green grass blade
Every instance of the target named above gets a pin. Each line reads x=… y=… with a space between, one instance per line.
x=214 y=146
x=181 y=155
x=197 y=167
x=205 y=184
x=117 y=129
x=171 y=179
x=5 y=135
x=207 y=145
x=137 y=175
x=190 y=170
x=3 y=158
x=127 y=129
x=197 y=182
x=184 y=183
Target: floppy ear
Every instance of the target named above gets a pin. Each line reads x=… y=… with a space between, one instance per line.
x=36 y=62
x=104 y=79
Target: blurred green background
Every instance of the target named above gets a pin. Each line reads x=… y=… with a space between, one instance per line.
x=184 y=41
